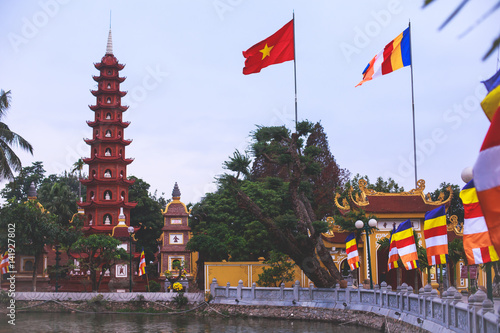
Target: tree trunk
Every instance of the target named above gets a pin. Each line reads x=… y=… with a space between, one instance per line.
x=200 y=272
x=301 y=252
x=496 y=279
x=34 y=276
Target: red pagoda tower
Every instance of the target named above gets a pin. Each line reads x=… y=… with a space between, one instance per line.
x=107 y=184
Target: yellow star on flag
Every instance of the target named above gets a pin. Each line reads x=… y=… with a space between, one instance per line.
x=266 y=51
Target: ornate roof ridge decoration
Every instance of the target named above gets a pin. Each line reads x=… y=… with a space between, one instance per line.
x=419 y=191
x=332 y=227
x=360 y=200
x=455 y=226
x=345 y=205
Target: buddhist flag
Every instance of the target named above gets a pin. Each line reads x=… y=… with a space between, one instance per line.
x=142 y=264
x=395 y=55
x=352 y=251
x=477 y=242
x=275 y=49
x=405 y=242
x=436 y=236
x=487 y=180
x=393 y=251
x=4 y=263
x=492 y=100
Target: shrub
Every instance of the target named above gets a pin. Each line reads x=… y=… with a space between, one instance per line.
x=154 y=286
x=180 y=300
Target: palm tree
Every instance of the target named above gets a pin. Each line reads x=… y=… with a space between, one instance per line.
x=9 y=161
x=78 y=166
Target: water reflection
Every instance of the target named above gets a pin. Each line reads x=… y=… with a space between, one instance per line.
x=79 y=323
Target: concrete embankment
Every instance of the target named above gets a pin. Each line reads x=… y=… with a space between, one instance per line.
x=349 y=318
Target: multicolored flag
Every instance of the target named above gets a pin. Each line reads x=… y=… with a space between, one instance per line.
x=436 y=236
x=405 y=242
x=393 y=251
x=492 y=100
x=4 y=264
x=487 y=180
x=275 y=49
x=142 y=264
x=352 y=251
x=477 y=243
x=395 y=55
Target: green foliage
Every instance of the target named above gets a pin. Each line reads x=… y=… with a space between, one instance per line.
x=154 y=286
x=19 y=187
x=238 y=163
x=222 y=229
x=4 y=297
x=456 y=251
x=476 y=21
x=456 y=206
x=97 y=301
x=98 y=253
x=147 y=215
x=180 y=300
x=9 y=161
x=281 y=270
x=347 y=221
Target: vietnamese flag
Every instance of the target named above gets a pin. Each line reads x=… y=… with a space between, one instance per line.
x=275 y=49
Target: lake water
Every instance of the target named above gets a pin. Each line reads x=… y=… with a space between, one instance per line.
x=80 y=323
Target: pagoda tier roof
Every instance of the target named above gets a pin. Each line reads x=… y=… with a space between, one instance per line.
x=106 y=203
x=96 y=107
x=108 y=140
x=107 y=229
x=373 y=202
x=173 y=227
x=95 y=158
x=100 y=92
x=122 y=124
x=335 y=237
x=98 y=78
x=109 y=60
x=102 y=180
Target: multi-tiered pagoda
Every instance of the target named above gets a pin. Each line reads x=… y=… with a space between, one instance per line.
x=107 y=184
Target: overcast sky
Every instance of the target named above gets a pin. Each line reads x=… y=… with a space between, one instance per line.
x=191 y=106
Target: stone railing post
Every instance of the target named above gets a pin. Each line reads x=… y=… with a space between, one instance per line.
x=348 y=292
x=227 y=289
x=425 y=295
x=254 y=285
x=409 y=291
x=475 y=304
x=212 y=287
x=487 y=306
x=336 y=292
x=282 y=291
x=376 y=290
x=402 y=293
x=296 y=287
x=311 y=287
x=449 y=296
x=383 y=292
x=238 y=289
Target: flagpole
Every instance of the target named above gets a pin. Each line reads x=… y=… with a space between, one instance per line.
x=413 y=110
x=295 y=69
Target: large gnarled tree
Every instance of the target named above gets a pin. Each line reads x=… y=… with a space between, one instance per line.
x=296 y=232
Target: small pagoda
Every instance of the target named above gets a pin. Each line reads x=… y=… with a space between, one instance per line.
x=176 y=234
x=107 y=183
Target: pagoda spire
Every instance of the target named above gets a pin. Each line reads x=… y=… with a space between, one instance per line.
x=109 y=46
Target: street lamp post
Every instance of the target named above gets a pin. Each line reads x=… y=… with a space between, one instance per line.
x=130 y=232
x=367 y=227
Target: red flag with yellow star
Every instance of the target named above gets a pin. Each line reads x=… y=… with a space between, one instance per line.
x=275 y=49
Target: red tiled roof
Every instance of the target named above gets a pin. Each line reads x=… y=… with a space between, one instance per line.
x=338 y=237
x=397 y=204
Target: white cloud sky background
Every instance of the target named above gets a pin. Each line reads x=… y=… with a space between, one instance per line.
x=191 y=106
